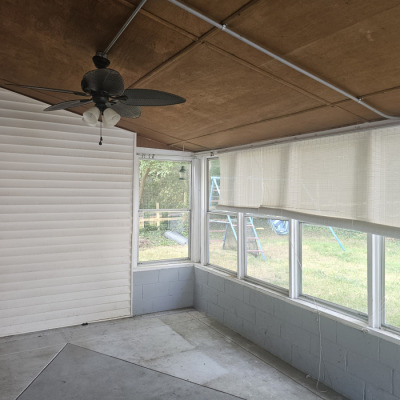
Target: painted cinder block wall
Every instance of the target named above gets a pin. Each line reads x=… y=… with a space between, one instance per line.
x=162 y=289
x=355 y=363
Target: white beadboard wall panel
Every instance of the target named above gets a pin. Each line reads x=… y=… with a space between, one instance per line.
x=65 y=217
x=43 y=292
x=104 y=314
x=64 y=265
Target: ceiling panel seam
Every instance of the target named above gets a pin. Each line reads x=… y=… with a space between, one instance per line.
x=198 y=41
x=269 y=120
x=305 y=45
x=267 y=74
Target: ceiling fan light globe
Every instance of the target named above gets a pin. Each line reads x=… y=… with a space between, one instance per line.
x=91 y=116
x=110 y=118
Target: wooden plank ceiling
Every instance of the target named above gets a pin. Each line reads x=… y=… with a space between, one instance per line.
x=235 y=94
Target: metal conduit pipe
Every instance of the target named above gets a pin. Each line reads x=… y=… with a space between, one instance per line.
x=121 y=31
x=280 y=59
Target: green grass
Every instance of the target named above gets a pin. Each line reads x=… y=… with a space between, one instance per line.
x=332 y=274
x=154 y=246
x=392 y=281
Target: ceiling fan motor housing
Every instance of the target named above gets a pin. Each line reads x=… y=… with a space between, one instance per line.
x=105 y=82
x=101 y=60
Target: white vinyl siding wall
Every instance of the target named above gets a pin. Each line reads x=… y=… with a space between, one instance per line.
x=65 y=217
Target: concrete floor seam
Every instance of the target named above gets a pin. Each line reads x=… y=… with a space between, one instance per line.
x=150 y=369
x=43 y=369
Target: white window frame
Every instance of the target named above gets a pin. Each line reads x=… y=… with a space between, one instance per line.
x=143 y=153
x=375 y=264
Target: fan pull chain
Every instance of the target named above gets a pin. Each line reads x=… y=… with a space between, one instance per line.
x=101 y=135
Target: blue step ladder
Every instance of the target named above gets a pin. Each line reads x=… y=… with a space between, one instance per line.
x=231 y=223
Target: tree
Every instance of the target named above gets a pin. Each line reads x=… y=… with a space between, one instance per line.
x=160 y=183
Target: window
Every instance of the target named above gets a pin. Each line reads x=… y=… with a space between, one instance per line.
x=222 y=241
x=267 y=250
x=334 y=266
x=164 y=214
x=222 y=228
x=213 y=182
x=331 y=263
x=392 y=282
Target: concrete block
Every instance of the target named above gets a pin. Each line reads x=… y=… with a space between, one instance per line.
x=246 y=294
x=200 y=276
x=226 y=302
x=185 y=297
x=358 y=341
x=279 y=347
x=233 y=322
x=288 y=312
x=235 y=290
x=328 y=328
x=370 y=370
x=155 y=290
x=211 y=295
x=167 y=303
x=261 y=301
x=371 y=393
x=306 y=361
x=200 y=304
x=142 y=307
x=144 y=277
x=396 y=383
x=199 y=290
x=268 y=324
x=389 y=353
x=164 y=303
x=331 y=352
x=168 y=275
x=215 y=311
x=245 y=311
x=180 y=286
x=343 y=382
x=186 y=274
x=296 y=335
x=310 y=320
x=216 y=282
x=253 y=333
x=137 y=293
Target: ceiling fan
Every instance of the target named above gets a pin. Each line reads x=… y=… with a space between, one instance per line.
x=105 y=87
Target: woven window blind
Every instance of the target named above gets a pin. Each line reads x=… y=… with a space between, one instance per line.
x=352 y=176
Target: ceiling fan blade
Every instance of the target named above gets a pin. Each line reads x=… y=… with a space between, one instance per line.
x=127 y=111
x=49 y=89
x=68 y=104
x=148 y=97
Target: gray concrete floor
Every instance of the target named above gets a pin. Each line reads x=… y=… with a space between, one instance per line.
x=184 y=344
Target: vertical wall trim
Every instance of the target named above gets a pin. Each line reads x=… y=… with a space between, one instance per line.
x=241 y=245
x=203 y=211
x=135 y=209
x=295 y=262
x=195 y=242
x=134 y=223
x=376 y=262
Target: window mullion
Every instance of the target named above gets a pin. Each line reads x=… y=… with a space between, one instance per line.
x=295 y=259
x=204 y=234
x=241 y=245
x=376 y=260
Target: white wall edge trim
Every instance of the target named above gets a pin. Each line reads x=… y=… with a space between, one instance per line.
x=152 y=267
